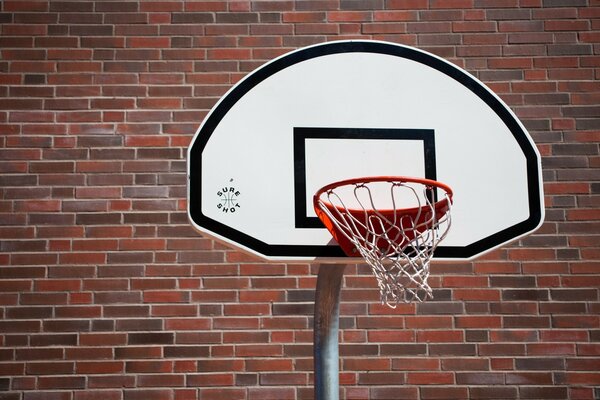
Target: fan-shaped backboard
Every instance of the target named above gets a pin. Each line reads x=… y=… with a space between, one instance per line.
x=346 y=109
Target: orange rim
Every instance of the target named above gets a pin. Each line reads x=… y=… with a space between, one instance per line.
x=391 y=179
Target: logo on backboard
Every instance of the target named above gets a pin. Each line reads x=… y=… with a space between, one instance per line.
x=228 y=199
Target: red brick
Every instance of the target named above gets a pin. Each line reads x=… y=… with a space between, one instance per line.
x=110 y=381
x=430 y=378
x=188 y=324
x=271 y=393
x=247 y=309
x=429 y=322
x=228 y=54
x=440 y=336
x=582 y=378
x=551 y=349
x=82 y=258
x=145 y=42
x=258 y=350
x=98 y=395
x=253 y=323
x=148 y=366
x=49 y=395
x=444 y=392
x=166 y=297
x=28 y=6
x=359 y=364
x=223 y=393
x=165 y=380
x=162 y=103
x=391 y=336
x=466 y=364
x=148 y=394
x=416 y=364
x=99 y=367
x=474 y=321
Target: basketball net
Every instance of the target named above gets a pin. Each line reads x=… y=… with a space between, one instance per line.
x=396 y=241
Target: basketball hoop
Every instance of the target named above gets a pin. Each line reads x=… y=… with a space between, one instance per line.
x=394 y=223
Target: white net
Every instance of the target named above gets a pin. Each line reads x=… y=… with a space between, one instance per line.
x=395 y=225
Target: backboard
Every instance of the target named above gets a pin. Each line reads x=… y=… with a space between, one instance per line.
x=348 y=109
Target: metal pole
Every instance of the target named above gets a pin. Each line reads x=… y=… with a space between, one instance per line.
x=326 y=324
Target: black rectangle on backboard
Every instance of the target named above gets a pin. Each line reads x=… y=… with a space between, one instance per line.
x=424 y=139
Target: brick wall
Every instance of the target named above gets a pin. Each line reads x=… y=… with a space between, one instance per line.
x=107 y=293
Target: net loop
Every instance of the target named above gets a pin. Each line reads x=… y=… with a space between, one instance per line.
x=394 y=223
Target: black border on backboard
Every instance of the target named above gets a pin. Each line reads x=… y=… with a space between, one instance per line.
x=291 y=251
x=301 y=134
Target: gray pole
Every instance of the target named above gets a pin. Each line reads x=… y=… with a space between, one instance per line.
x=326 y=323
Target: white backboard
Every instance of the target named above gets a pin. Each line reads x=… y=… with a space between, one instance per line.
x=346 y=109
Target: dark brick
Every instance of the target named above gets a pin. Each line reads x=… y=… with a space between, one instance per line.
x=476 y=336
x=574 y=294
x=440 y=308
x=192 y=18
x=564 y=3
x=139 y=325
x=187 y=351
x=501 y=75
x=540 y=364
x=493 y=392
x=572 y=149
x=293 y=309
x=544 y=392
x=454 y=349
x=508 y=14
x=244 y=379
x=526 y=322
x=581 y=111
x=403 y=349
x=236 y=18
x=300 y=295
x=151 y=338
x=98 y=219
x=592 y=123
x=524 y=294
x=479 y=378
x=569 y=49
x=361 y=4
x=512 y=281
